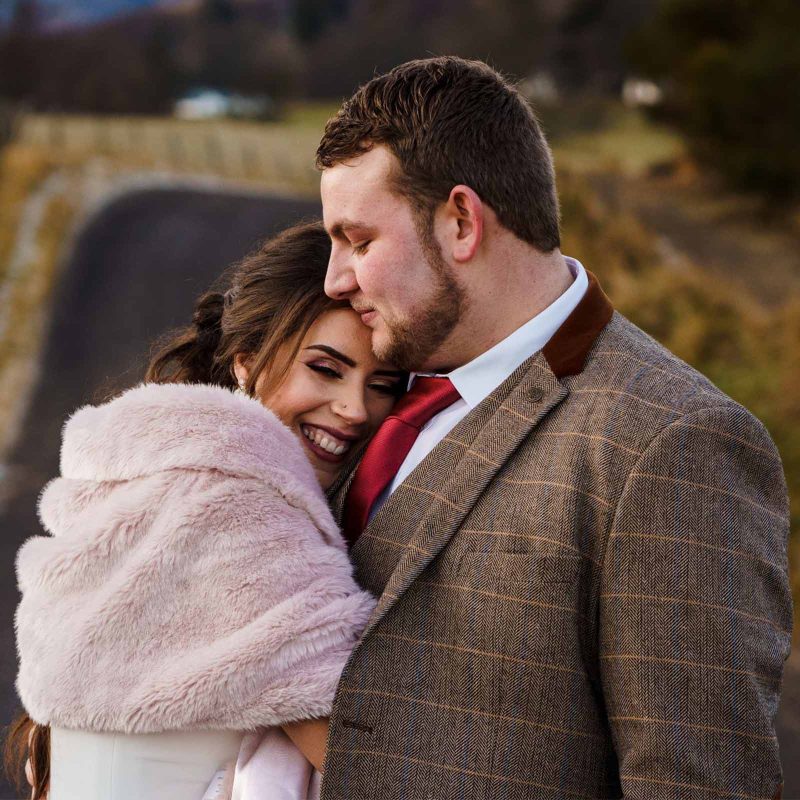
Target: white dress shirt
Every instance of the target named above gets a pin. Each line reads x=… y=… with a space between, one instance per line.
x=475 y=380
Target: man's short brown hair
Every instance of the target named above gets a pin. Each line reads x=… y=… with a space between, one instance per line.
x=450 y=121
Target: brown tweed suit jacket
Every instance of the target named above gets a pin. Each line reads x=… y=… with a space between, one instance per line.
x=583 y=592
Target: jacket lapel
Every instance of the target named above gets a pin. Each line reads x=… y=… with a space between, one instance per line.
x=455 y=473
x=565 y=354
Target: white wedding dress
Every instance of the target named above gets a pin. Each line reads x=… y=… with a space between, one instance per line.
x=153 y=766
x=198 y=765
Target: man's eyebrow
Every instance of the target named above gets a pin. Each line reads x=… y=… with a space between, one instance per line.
x=339 y=229
x=332 y=352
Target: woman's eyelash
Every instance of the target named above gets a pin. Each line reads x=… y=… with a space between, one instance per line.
x=358 y=249
x=394 y=390
x=324 y=370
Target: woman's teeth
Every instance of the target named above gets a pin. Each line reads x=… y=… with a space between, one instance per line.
x=324 y=440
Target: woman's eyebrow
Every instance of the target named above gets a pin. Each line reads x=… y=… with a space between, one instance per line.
x=331 y=352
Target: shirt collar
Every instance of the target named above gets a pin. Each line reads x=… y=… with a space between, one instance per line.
x=475 y=380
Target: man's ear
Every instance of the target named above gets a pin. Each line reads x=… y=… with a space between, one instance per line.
x=465 y=215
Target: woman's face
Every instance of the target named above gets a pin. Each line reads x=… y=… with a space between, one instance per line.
x=335 y=394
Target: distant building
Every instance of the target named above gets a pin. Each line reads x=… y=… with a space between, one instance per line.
x=205 y=103
x=637 y=92
x=541 y=87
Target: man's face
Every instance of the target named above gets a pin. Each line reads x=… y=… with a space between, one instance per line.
x=392 y=272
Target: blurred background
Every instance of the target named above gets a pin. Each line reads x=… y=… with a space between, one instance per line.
x=146 y=144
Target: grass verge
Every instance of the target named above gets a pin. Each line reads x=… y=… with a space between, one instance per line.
x=27 y=274
x=21 y=170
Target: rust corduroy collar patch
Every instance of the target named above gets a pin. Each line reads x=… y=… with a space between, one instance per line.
x=567 y=349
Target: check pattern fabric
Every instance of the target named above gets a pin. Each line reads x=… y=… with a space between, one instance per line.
x=583 y=592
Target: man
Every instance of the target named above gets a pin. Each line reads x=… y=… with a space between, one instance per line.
x=578 y=542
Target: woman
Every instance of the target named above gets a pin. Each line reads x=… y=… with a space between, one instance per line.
x=196 y=586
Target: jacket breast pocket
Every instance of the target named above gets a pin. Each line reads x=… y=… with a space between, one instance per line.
x=525 y=608
x=495 y=568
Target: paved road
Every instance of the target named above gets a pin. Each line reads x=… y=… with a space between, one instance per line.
x=133 y=275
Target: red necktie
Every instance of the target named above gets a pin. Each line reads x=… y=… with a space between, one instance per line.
x=390 y=446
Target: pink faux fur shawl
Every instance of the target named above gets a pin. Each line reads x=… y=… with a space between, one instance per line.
x=194 y=577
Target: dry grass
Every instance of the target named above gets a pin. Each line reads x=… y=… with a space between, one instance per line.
x=624 y=140
x=22 y=168
x=310 y=115
x=277 y=155
x=32 y=294
x=26 y=290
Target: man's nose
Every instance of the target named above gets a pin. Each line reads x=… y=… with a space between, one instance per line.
x=340 y=280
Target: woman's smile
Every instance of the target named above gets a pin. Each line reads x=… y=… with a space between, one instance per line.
x=325 y=443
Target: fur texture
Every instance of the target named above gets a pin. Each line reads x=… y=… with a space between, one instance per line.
x=194 y=576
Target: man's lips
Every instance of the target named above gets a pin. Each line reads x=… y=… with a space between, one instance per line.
x=366 y=314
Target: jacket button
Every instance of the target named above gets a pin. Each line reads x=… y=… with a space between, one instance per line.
x=536 y=395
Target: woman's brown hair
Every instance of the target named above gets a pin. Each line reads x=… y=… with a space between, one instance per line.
x=274 y=296
x=26 y=741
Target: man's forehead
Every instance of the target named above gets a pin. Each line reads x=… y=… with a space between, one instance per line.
x=350 y=188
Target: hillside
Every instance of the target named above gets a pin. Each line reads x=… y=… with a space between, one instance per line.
x=152 y=50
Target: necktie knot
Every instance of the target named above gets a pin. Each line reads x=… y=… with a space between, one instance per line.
x=427 y=397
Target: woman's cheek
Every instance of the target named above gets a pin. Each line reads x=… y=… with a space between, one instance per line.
x=379 y=410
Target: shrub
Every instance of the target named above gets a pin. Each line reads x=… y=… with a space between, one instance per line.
x=731 y=69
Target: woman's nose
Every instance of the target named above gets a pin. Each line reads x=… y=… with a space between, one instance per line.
x=351 y=407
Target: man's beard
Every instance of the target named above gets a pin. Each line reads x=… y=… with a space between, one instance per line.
x=414 y=340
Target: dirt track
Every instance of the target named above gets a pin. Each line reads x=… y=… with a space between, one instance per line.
x=133 y=275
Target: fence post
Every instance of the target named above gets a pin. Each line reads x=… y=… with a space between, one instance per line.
x=215 y=160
